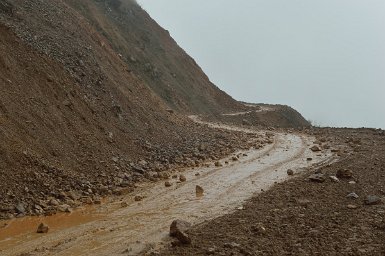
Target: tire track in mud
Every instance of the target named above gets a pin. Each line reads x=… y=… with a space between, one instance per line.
x=142 y=226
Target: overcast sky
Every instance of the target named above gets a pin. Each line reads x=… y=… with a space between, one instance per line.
x=326 y=58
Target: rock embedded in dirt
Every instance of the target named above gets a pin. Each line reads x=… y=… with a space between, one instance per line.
x=317 y=177
x=138 y=198
x=218 y=164
x=372 y=200
x=344 y=174
x=258 y=229
x=315 y=148
x=199 y=190
x=234 y=158
x=334 y=179
x=182 y=178
x=232 y=245
x=178 y=230
x=352 y=195
x=290 y=172
x=20 y=208
x=167 y=184
x=42 y=228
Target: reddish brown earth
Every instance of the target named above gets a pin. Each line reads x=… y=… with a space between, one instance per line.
x=300 y=217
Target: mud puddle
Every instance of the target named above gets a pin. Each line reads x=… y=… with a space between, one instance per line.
x=111 y=229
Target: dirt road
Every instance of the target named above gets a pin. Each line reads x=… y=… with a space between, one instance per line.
x=111 y=228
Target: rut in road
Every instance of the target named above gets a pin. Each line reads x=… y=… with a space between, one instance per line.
x=144 y=225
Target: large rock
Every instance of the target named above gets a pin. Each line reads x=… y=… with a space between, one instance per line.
x=318 y=177
x=20 y=208
x=315 y=148
x=182 y=178
x=372 y=200
x=199 y=190
x=42 y=228
x=344 y=174
x=178 y=230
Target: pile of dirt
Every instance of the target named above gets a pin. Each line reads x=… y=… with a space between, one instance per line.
x=337 y=216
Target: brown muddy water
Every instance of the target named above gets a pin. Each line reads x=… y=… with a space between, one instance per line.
x=111 y=229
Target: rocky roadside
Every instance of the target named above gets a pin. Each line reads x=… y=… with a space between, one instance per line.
x=203 y=147
x=335 y=210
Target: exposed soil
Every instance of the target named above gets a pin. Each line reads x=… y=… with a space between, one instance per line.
x=127 y=227
x=263 y=116
x=300 y=217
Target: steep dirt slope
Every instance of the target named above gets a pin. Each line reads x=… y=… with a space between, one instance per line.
x=150 y=52
x=74 y=119
x=264 y=115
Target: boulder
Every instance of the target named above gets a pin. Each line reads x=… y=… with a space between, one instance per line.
x=315 y=148
x=344 y=174
x=42 y=228
x=178 y=230
x=372 y=200
x=182 y=178
x=199 y=190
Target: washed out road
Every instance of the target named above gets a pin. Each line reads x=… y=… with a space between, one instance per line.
x=113 y=229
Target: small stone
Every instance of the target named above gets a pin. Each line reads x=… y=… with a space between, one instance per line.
x=42 y=228
x=182 y=178
x=138 y=198
x=218 y=164
x=258 y=229
x=167 y=184
x=54 y=202
x=234 y=158
x=20 y=208
x=123 y=204
x=290 y=172
x=199 y=190
x=372 y=200
x=352 y=206
x=334 y=179
x=318 y=177
x=315 y=148
x=309 y=159
x=303 y=202
x=231 y=245
x=178 y=230
x=352 y=195
x=197 y=174
x=352 y=182
x=344 y=174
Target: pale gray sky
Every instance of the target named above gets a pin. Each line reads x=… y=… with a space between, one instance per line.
x=326 y=58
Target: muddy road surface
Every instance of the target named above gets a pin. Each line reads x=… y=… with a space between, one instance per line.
x=128 y=227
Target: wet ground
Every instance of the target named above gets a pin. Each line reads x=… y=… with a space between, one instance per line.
x=301 y=217
x=113 y=228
